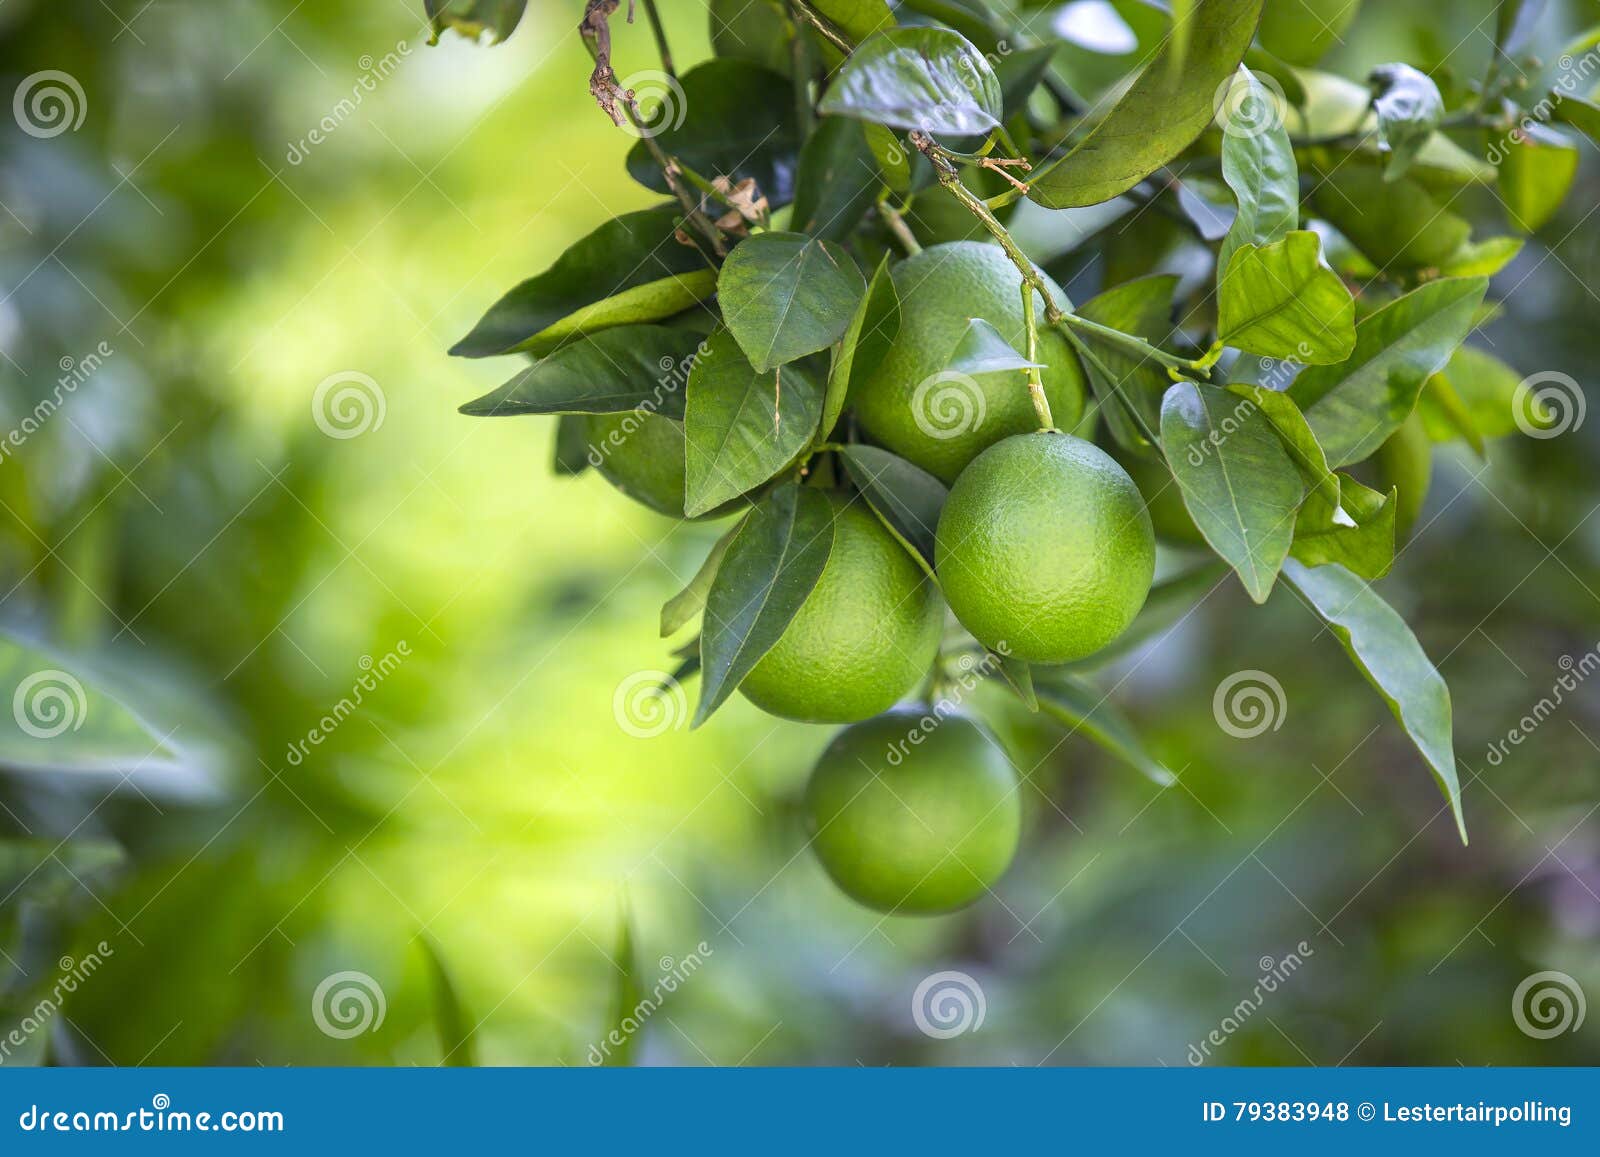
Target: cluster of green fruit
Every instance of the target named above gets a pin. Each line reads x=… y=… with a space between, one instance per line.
x=1044 y=552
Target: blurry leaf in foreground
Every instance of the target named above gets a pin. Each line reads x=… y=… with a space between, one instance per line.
x=472 y=18
x=455 y=1024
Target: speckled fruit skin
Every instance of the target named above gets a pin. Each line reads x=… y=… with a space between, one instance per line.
x=941 y=290
x=914 y=829
x=1045 y=547
x=864 y=637
x=1168 y=515
x=642 y=455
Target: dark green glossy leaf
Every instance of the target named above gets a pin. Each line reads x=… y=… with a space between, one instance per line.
x=838 y=180
x=770 y=568
x=1536 y=173
x=907 y=497
x=1355 y=405
x=605 y=373
x=682 y=607
x=741 y=427
x=450 y=1017
x=472 y=18
x=785 y=295
x=62 y=718
x=1363 y=543
x=867 y=339
x=1238 y=482
x=735 y=120
x=1409 y=108
x=1084 y=708
x=757 y=31
x=629 y=270
x=1258 y=165
x=1162 y=112
x=1388 y=654
x=1281 y=301
x=926 y=78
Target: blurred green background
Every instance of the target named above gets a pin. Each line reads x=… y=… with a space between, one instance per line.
x=184 y=528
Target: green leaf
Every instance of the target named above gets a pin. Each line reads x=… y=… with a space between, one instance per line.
x=928 y=78
x=691 y=600
x=862 y=348
x=1474 y=397
x=1354 y=406
x=838 y=180
x=1082 y=707
x=1019 y=73
x=892 y=157
x=757 y=31
x=741 y=427
x=1303 y=31
x=61 y=718
x=571 y=453
x=1483 y=258
x=629 y=270
x=1536 y=173
x=1581 y=114
x=625 y=995
x=907 y=497
x=770 y=568
x=1409 y=108
x=1295 y=433
x=734 y=119
x=857 y=19
x=1281 y=301
x=450 y=1017
x=982 y=349
x=1142 y=307
x=785 y=295
x=1362 y=543
x=1161 y=113
x=472 y=18
x=1237 y=480
x=606 y=373
x=1387 y=653
x=1334 y=106
x=1018 y=675
x=1398 y=224
x=1258 y=165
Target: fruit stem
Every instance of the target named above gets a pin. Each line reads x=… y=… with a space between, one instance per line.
x=897 y=225
x=1041 y=404
x=828 y=32
x=1137 y=345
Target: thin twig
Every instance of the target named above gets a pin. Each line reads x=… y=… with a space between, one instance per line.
x=661 y=37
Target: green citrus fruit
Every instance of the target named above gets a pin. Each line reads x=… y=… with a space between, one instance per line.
x=642 y=455
x=865 y=635
x=1044 y=549
x=913 y=405
x=1168 y=515
x=914 y=813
